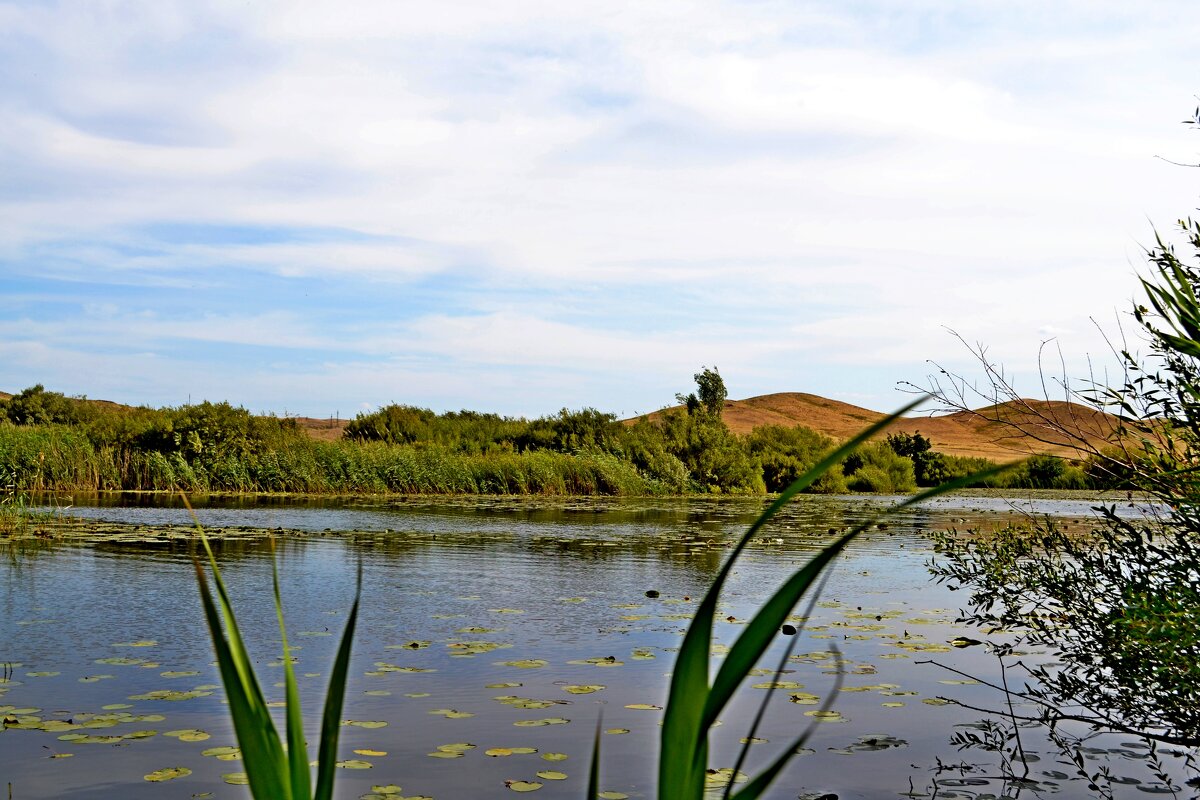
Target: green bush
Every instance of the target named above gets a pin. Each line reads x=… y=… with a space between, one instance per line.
x=880 y=469
x=784 y=454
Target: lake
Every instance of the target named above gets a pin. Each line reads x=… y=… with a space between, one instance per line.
x=491 y=624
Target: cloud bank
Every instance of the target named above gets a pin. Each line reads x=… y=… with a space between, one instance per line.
x=311 y=206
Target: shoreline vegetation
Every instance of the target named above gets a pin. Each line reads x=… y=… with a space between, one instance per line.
x=51 y=442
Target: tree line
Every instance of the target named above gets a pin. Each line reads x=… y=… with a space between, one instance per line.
x=51 y=441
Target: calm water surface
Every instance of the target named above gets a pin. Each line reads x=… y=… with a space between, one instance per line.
x=480 y=620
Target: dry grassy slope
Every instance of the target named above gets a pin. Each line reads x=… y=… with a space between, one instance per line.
x=326 y=430
x=988 y=432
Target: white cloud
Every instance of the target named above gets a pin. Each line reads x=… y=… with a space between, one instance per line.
x=850 y=172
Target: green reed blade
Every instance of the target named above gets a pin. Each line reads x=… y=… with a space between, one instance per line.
x=683 y=753
x=331 y=720
x=764 y=626
x=748 y=740
x=262 y=752
x=297 y=750
x=594 y=771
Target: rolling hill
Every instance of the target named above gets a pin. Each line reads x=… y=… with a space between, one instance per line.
x=1002 y=432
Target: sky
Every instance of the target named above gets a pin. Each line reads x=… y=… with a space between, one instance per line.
x=319 y=208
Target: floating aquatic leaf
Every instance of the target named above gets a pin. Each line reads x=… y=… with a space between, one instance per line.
x=139 y=735
x=826 y=716
x=523 y=786
x=189 y=735
x=528 y=663
x=450 y=713
x=617 y=731
x=170 y=695
x=370 y=724
x=537 y=723
x=612 y=796
x=606 y=661
x=779 y=685
x=372 y=753
x=225 y=752
x=236 y=778
x=354 y=763
x=804 y=698
x=722 y=776
x=502 y=685
x=170 y=773
x=552 y=775
x=644 y=707
x=178 y=673
x=555 y=756
x=57 y=725
x=583 y=689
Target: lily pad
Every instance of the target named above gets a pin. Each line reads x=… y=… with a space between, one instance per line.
x=524 y=786
x=168 y=774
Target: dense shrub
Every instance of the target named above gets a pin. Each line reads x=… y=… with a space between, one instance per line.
x=878 y=468
x=784 y=454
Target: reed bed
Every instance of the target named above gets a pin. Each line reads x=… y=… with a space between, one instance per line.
x=61 y=458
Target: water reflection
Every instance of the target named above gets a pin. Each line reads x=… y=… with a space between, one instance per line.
x=487 y=608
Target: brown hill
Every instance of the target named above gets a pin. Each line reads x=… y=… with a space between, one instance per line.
x=1003 y=432
x=328 y=429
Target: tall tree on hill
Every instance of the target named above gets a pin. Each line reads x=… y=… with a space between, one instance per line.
x=711 y=390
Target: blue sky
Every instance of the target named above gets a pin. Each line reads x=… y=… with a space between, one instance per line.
x=319 y=208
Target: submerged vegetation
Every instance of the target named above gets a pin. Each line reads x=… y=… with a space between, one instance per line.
x=52 y=442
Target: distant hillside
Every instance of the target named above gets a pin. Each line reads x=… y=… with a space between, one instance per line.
x=988 y=432
x=326 y=429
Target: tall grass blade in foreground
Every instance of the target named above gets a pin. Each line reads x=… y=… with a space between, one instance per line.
x=692 y=704
x=273 y=772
